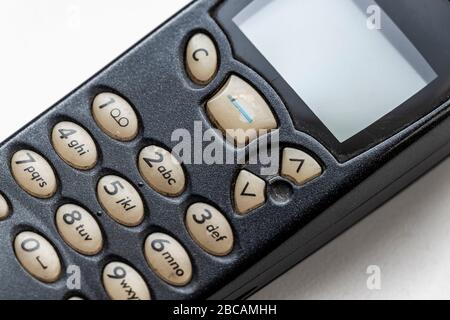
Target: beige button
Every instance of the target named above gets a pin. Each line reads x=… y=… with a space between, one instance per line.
x=4 y=208
x=162 y=171
x=79 y=229
x=201 y=58
x=168 y=259
x=299 y=167
x=249 y=192
x=240 y=111
x=34 y=174
x=37 y=256
x=76 y=299
x=120 y=200
x=209 y=228
x=122 y=282
x=74 y=145
x=115 y=116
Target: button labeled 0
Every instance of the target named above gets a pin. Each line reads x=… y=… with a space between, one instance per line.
x=168 y=259
x=4 y=207
x=115 y=116
x=209 y=229
x=37 y=256
x=122 y=282
x=162 y=171
x=34 y=174
x=79 y=229
x=201 y=58
x=74 y=145
x=120 y=200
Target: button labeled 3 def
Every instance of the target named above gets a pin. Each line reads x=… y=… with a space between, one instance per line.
x=37 y=256
x=162 y=171
x=168 y=259
x=79 y=229
x=115 y=116
x=201 y=58
x=209 y=229
x=74 y=145
x=122 y=282
x=34 y=174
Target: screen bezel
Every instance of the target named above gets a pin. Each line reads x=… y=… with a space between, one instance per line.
x=426 y=25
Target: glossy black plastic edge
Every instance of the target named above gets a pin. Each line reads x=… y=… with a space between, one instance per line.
x=425 y=24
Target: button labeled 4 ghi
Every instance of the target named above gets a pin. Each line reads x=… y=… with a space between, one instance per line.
x=249 y=192
x=299 y=167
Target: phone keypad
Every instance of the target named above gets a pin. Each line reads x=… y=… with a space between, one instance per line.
x=237 y=106
x=299 y=167
x=79 y=229
x=4 y=208
x=123 y=282
x=249 y=192
x=34 y=174
x=162 y=171
x=120 y=200
x=201 y=58
x=209 y=229
x=115 y=116
x=74 y=145
x=168 y=259
x=240 y=111
x=37 y=256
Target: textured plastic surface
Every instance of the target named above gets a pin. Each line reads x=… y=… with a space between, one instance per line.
x=152 y=76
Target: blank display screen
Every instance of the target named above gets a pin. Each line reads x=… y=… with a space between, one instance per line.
x=347 y=60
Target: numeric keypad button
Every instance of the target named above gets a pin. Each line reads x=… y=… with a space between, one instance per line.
x=209 y=229
x=122 y=282
x=79 y=229
x=4 y=208
x=115 y=116
x=34 y=174
x=299 y=167
x=249 y=192
x=168 y=259
x=74 y=145
x=120 y=200
x=37 y=256
x=162 y=171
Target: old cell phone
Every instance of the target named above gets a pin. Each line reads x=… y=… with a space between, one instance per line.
x=100 y=197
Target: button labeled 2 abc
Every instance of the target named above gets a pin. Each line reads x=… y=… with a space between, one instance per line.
x=162 y=171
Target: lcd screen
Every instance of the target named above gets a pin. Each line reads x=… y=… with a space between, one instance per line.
x=347 y=60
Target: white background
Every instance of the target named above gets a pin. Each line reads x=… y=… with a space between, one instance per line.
x=48 y=47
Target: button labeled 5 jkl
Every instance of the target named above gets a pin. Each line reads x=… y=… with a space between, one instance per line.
x=162 y=171
x=120 y=200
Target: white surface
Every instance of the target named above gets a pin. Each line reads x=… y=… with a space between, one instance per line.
x=45 y=54
x=350 y=76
